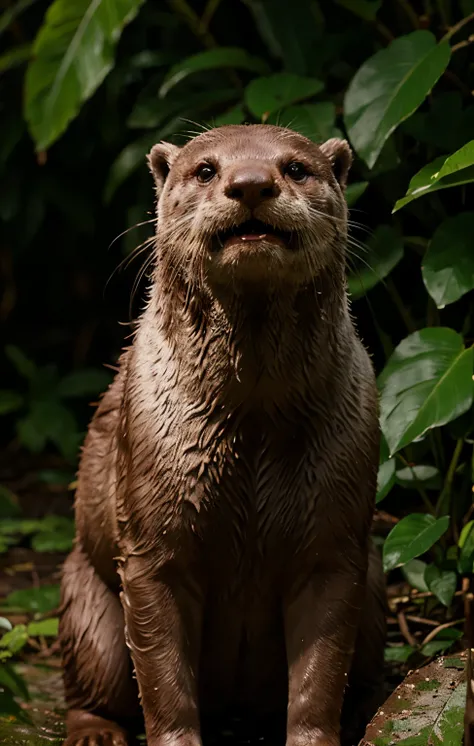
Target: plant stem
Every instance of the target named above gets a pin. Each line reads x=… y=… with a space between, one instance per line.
x=457 y=26
x=445 y=497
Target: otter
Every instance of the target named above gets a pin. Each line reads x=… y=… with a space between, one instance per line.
x=223 y=564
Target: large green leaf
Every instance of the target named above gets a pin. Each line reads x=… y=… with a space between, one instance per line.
x=448 y=265
x=426 y=383
x=10 y=401
x=389 y=87
x=443 y=172
x=151 y=111
x=265 y=96
x=314 y=121
x=290 y=30
x=212 y=59
x=73 y=52
x=385 y=249
x=89 y=381
x=412 y=536
x=442 y=583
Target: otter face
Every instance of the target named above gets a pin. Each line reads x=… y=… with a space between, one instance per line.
x=251 y=203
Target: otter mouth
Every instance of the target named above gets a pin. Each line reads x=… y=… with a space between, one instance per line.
x=251 y=231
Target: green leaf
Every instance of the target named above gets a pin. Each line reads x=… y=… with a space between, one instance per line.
x=29 y=435
x=212 y=59
x=446 y=125
x=12 y=680
x=355 y=191
x=151 y=111
x=9 y=505
x=235 y=115
x=44 y=628
x=366 y=9
x=448 y=265
x=73 y=52
x=399 y=654
x=10 y=401
x=15 y=640
x=24 y=366
x=442 y=583
x=386 y=473
x=15 y=57
x=389 y=87
x=314 y=121
x=385 y=250
x=443 y=172
x=443 y=641
x=412 y=536
x=466 y=546
x=426 y=383
x=290 y=31
x=89 y=381
x=56 y=535
x=424 y=474
x=414 y=573
x=265 y=96
x=38 y=600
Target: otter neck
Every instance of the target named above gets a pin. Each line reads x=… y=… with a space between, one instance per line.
x=257 y=344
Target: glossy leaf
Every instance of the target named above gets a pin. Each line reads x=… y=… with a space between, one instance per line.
x=421 y=474
x=398 y=654
x=73 y=52
x=445 y=171
x=235 y=115
x=385 y=250
x=265 y=96
x=442 y=583
x=212 y=59
x=314 y=121
x=412 y=536
x=448 y=265
x=466 y=549
x=426 y=383
x=389 y=87
x=414 y=573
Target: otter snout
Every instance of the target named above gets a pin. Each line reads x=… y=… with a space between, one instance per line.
x=251 y=184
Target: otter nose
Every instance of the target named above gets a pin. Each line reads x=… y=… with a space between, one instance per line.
x=251 y=184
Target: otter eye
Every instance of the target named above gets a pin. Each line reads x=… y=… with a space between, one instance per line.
x=205 y=173
x=297 y=171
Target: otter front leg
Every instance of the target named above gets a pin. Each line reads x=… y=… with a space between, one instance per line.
x=163 y=621
x=321 y=625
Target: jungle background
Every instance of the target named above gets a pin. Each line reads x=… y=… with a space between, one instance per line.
x=86 y=88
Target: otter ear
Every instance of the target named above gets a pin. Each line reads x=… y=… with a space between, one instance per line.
x=160 y=159
x=340 y=155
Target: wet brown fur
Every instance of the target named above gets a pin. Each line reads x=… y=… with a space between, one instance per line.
x=229 y=474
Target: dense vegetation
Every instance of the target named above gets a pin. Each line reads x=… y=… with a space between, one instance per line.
x=87 y=88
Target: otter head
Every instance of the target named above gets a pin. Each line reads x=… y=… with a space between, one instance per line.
x=251 y=204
